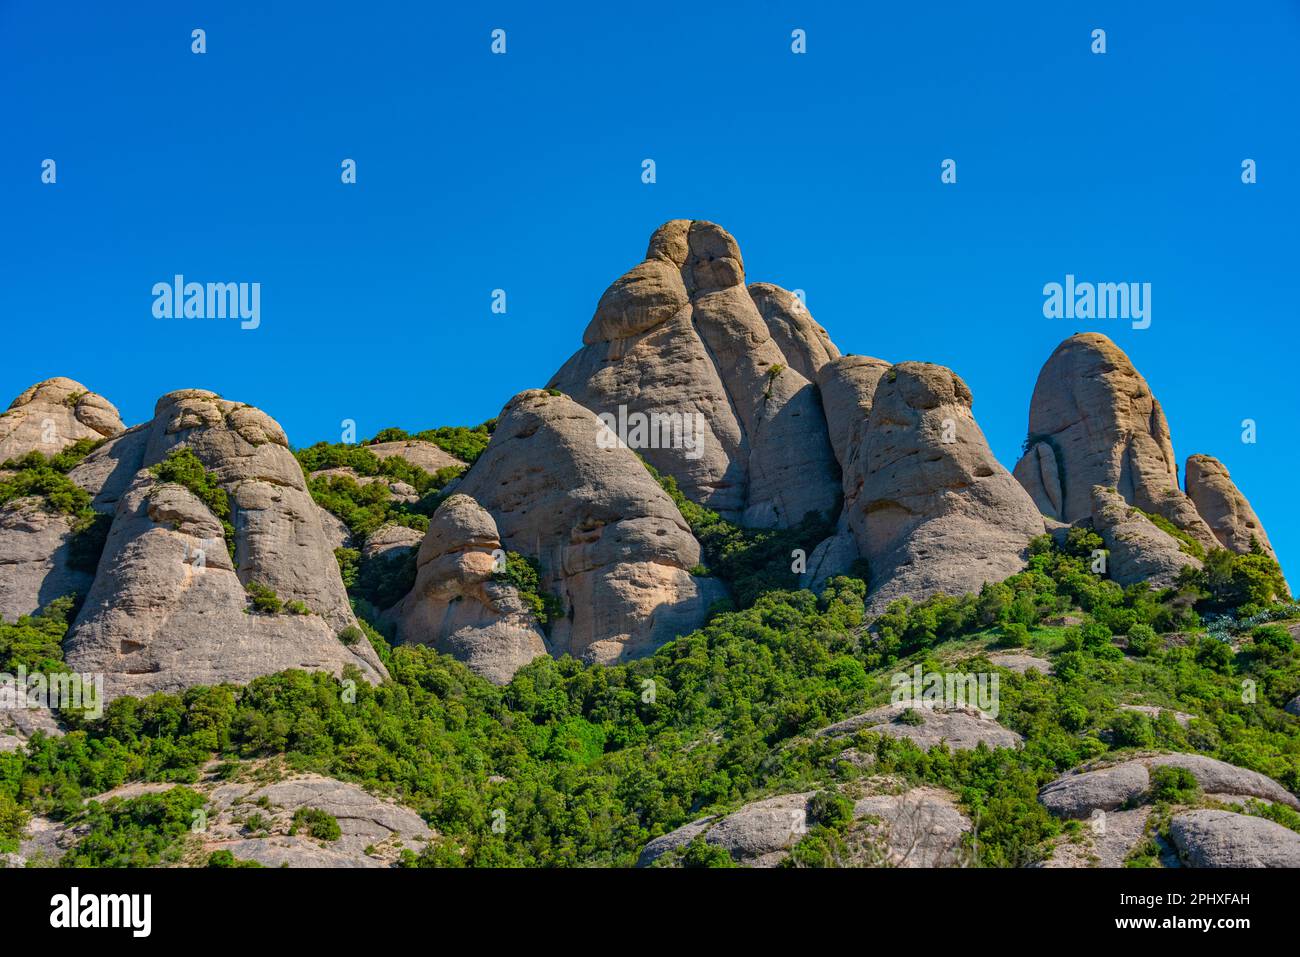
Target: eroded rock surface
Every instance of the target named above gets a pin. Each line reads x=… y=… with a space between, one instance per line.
x=1138 y=549
x=51 y=415
x=680 y=335
x=168 y=607
x=932 y=510
x=611 y=545
x=1209 y=838
x=1230 y=517
x=1093 y=420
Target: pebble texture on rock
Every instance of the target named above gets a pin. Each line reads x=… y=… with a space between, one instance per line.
x=680 y=334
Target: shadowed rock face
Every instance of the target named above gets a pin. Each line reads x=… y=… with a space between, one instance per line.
x=52 y=415
x=157 y=619
x=680 y=333
x=932 y=510
x=1094 y=421
x=35 y=558
x=611 y=544
x=1230 y=517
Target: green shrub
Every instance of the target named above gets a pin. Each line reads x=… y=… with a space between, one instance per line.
x=264 y=598
x=525 y=574
x=1142 y=640
x=182 y=467
x=316 y=823
x=1174 y=785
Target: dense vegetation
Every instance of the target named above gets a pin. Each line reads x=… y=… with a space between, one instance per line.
x=587 y=763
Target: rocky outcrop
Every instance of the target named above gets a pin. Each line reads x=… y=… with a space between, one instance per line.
x=51 y=415
x=804 y=343
x=37 y=558
x=458 y=605
x=1081 y=792
x=1138 y=549
x=418 y=452
x=373 y=831
x=681 y=338
x=897 y=827
x=391 y=542
x=107 y=472
x=931 y=508
x=961 y=729
x=1209 y=838
x=1093 y=420
x=1230 y=517
x=611 y=545
x=848 y=388
x=168 y=608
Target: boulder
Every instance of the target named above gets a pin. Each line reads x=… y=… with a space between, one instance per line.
x=1230 y=517
x=391 y=542
x=921 y=827
x=1138 y=549
x=679 y=337
x=1078 y=794
x=759 y=834
x=1208 y=838
x=51 y=415
x=373 y=831
x=931 y=508
x=161 y=618
x=1093 y=420
x=458 y=605
x=610 y=543
x=961 y=729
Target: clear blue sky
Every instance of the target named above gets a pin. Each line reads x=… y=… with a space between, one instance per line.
x=523 y=172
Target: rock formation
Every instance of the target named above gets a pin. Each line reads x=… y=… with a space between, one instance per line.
x=1138 y=549
x=1211 y=838
x=611 y=546
x=52 y=415
x=931 y=508
x=1094 y=421
x=1225 y=510
x=892 y=827
x=36 y=558
x=960 y=729
x=680 y=335
x=160 y=618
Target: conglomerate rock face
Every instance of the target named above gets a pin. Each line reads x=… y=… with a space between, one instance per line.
x=554 y=486
x=168 y=608
x=52 y=415
x=680 y=334
x=932 y=509
x=1230 y=517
